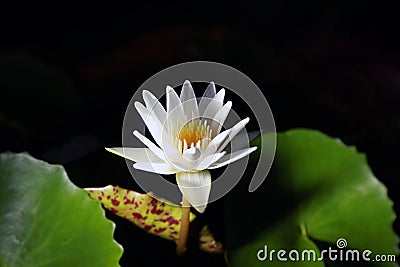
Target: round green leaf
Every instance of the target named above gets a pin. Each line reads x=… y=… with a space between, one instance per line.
x=318 y=191
x=45 y=220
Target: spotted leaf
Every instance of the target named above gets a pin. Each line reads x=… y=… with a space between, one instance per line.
x=148 y=213
x=208 y=243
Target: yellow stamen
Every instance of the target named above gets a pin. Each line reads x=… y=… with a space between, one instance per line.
x=195 y=133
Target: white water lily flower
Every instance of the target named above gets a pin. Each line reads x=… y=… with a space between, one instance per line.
x=188 y=139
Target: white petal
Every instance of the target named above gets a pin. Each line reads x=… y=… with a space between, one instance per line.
x=205 y=100
x=232 y=157
x=210 y=90
x=187 y=91
x=175 y=114
x=154 y=106
x=195 y=187
x=192 y=153
x=207 y=161
x=214 y=105
x=216 y=142
x=182 y=165
x=173 y=100
x=189 y=101
x=220 y=117
x=152 y=123
x=155 y=149
x=233 y=132
x=160 y=168
x=135 y=154
x=220 y=96
x=174 y=157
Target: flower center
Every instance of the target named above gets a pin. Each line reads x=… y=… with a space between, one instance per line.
x=194 y=134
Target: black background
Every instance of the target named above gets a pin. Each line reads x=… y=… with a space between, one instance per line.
x=329 y=66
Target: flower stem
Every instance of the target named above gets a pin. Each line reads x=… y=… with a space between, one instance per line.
x=183 y=233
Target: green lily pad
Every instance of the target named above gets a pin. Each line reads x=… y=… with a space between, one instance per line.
x=45 y=220
x=318 y=191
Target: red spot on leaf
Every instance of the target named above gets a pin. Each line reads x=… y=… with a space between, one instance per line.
x=159 y=230
x=113 y=210
x=170 y=220
x=115 y=202
x=154 y=210
x=147 y=227
x=130 y=201
x=137 y=215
